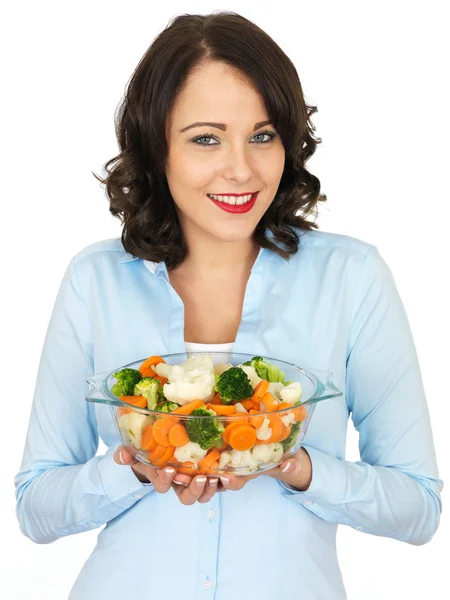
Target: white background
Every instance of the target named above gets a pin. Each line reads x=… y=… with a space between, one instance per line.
x=379 y=76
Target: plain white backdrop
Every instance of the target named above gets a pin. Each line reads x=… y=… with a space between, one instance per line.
x=378 y=74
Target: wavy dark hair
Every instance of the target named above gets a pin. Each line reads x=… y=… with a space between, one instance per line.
x=135 y=180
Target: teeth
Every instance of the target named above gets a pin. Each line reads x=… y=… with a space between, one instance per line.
x=232 y=199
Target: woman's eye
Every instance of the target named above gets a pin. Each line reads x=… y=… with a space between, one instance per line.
x=199 y=139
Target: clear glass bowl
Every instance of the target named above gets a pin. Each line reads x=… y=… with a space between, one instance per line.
x=265 y=454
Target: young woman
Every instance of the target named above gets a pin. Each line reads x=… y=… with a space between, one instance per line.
x=217 y=252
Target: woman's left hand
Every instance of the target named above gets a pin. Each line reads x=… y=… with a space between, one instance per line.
x=295 y=471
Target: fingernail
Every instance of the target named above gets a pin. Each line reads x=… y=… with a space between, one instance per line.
x=225 y=480
x=121 y=458
x=213 y=482
x=200 y=481
x=177 y=482
x=286 y=467
x=169 y=471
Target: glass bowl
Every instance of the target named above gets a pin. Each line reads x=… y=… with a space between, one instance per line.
x=148 y=437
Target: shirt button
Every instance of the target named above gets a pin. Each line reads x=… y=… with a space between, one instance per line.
x=206 y=584
x=307 y=502
x=359 y=528
x=211 y=514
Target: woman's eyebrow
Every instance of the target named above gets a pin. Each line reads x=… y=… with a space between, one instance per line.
x=221 y=125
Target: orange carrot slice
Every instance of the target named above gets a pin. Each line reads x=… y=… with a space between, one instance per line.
x=256 y=421
x=147 y=440
x=248 y=404
x=212 y=456
x=151 y=361
x=186 y=409
x=228 y=429
x=260 y=390
x=134 y=400
x=188 y=468
x=224 y=409
x=269 y=401
x=242 y=437
x=177 y=435
x=216 y=399
x=161 y=429
x=300 y=413
x=277 y=426
x=285 y=434
x=283 y=405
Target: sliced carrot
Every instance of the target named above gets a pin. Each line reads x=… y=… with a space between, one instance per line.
x=242 y=437
x=168 y=454
x=277 y=426
x=151 y=361
x=260 y=390
x=186 y=409
x=257 y=421
x=161 y=429
x=212 y=456
x=188 y=468
x=300 y=413
x=283 y=405
x=248 y=404
x=147 y=440
x=269 y=401
x=216 y=399
x=177 y=435
x=285 y=434
x=224 y=409
x=134 y=400
x=213 y=468
x=228 y=429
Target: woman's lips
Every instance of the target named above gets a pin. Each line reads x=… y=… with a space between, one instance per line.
x=236 y=208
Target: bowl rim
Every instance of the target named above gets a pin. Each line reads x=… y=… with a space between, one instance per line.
x=316 y=397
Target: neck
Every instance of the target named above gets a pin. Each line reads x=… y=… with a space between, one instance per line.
x=213 y=258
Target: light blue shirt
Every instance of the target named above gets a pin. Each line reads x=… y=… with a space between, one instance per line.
x=333 y=306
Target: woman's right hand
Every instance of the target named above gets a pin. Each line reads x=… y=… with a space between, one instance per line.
x=188 y=489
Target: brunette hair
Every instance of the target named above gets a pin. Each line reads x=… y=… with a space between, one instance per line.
x=136 y=185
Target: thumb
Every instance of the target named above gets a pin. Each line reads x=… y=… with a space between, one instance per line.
x=123 y=457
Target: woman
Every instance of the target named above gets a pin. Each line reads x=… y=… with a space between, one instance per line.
x=194 y=271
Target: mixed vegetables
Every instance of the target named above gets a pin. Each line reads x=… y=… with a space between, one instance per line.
x=227 y=400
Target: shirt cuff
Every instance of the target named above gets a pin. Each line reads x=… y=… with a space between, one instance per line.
x=119 y=481
x=327 y=483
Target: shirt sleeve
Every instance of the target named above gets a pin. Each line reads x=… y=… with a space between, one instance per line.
x=394 y=490
x=62 y=487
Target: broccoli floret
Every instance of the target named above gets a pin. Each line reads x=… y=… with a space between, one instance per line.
x=167 y=406
x=266 y=370
x=151 y=389
x=204 y=431
x=233 y=385
x=287 y=443
x=126 y=380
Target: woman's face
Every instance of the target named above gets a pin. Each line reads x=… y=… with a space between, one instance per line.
x=233 y=158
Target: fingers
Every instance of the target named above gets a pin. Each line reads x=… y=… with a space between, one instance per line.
x=199 y=489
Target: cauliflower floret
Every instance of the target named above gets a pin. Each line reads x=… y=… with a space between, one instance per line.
x=252 y=375
x=221 y=368
x=275 y=387
x=291 y=393
x=240 y=408
x=191 y=451
x=277 y=452
x=288 y=419
x=134 y=423
x=243 y=458
x=265 y=431
x=202 y=362
x=225 y=458
x=264 y=453
x=185 y=386
x=163 y=370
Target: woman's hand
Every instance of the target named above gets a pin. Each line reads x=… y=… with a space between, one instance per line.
x=188 y=489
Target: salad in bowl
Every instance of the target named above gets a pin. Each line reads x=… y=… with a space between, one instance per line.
x=203 y=415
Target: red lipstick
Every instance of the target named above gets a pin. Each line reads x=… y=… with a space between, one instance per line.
x=236 y=208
